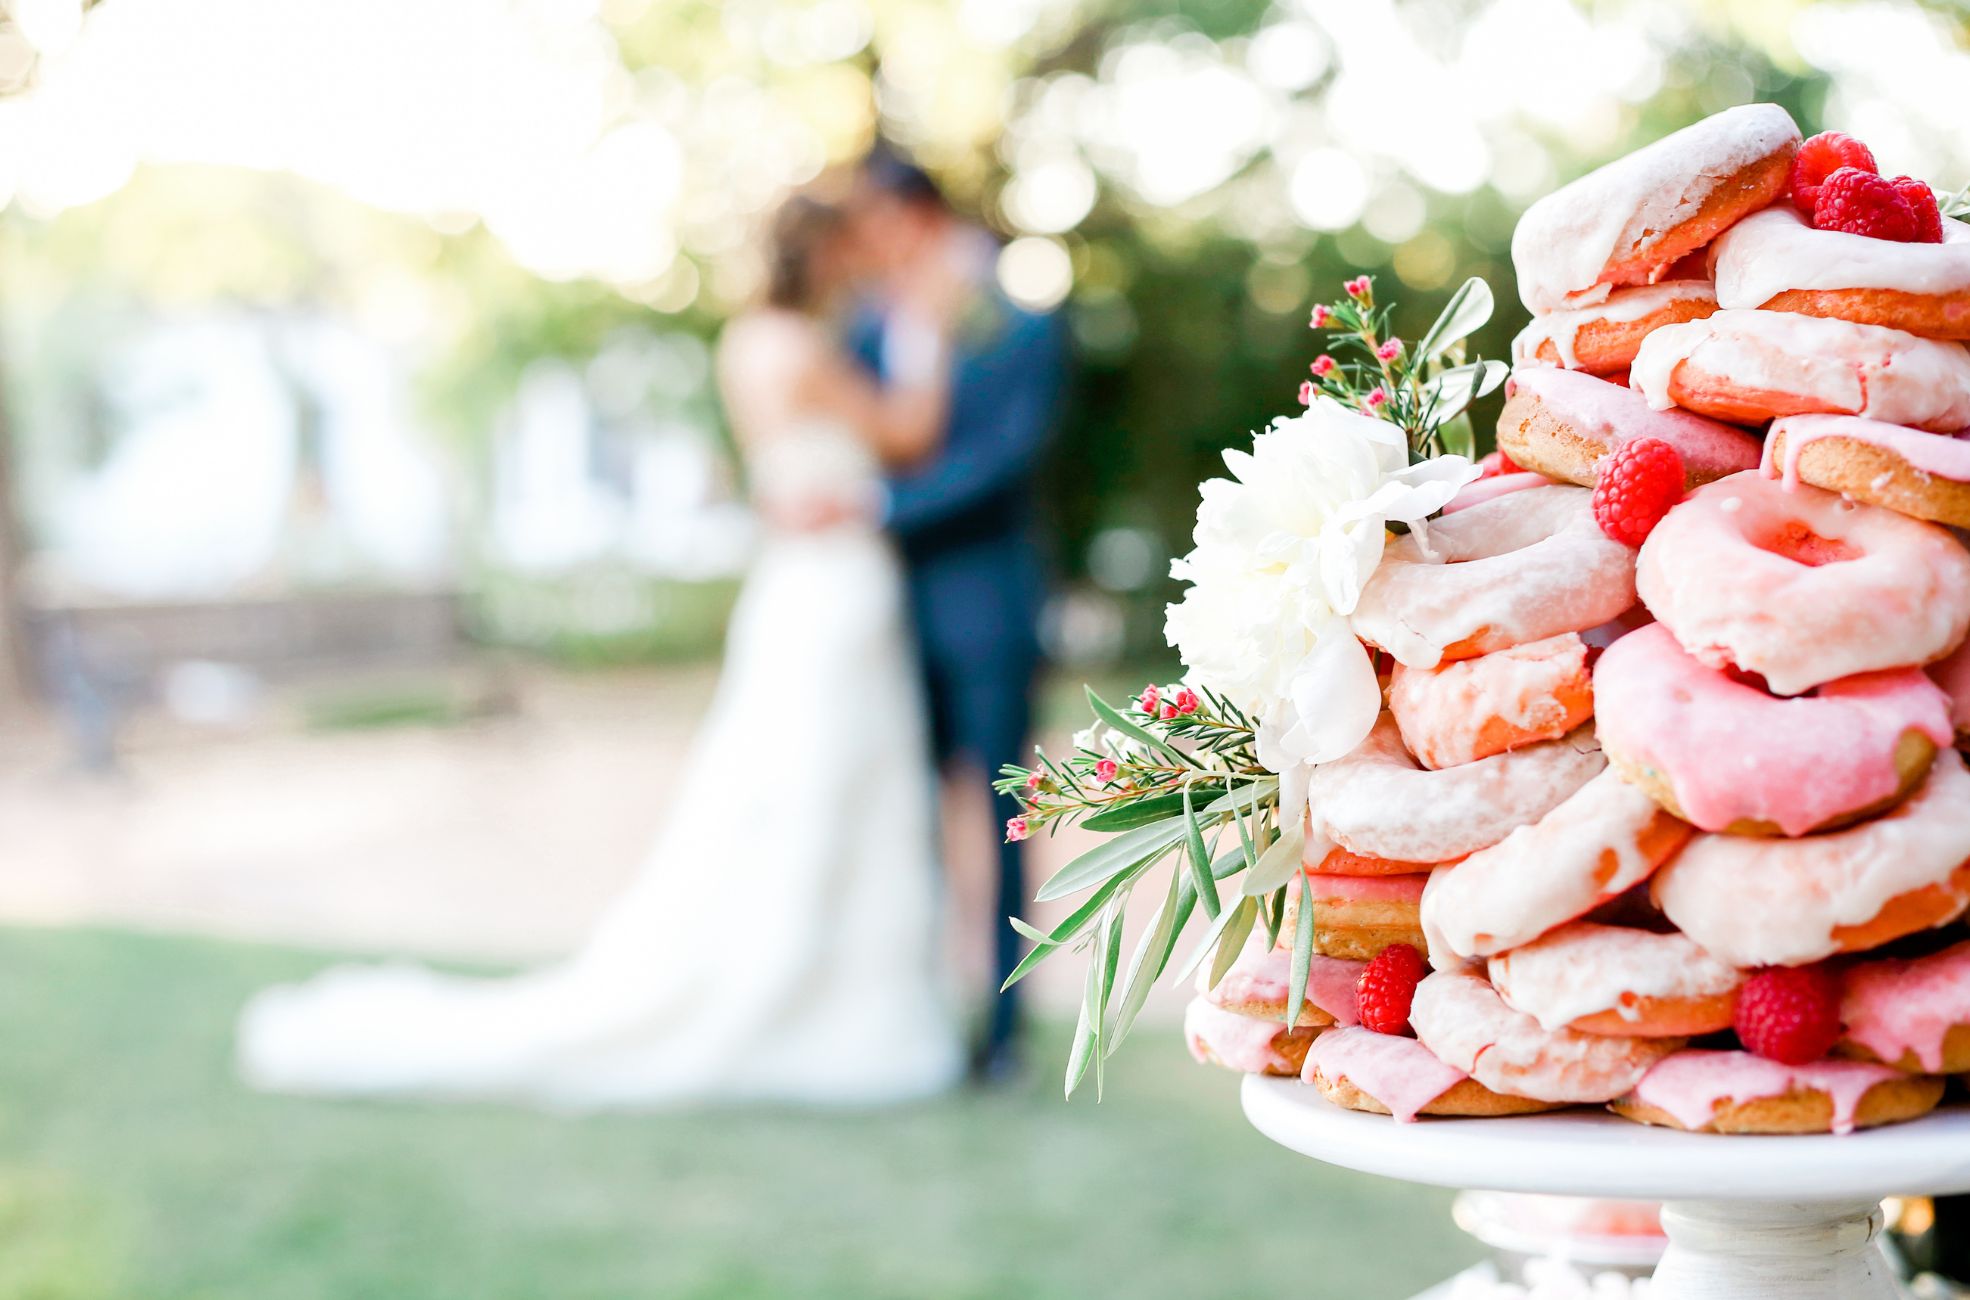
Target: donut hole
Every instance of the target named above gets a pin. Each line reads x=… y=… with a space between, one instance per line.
x=1794 y=540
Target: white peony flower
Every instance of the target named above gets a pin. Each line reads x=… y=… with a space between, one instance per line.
x=1282 y=550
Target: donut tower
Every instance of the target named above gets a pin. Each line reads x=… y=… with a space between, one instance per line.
x=1665 y=811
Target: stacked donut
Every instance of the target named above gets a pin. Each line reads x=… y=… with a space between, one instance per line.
x=1682 y=826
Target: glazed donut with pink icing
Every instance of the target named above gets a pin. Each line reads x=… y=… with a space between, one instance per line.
x=1913 y=1014
x=1608 y=837
x=1520 y=568
x=1379 y=803
x=1726 y=756
x=1909 y=470
x=1243 y=1043
x=1258 y=982
x=1778 y=261
x=1388 y=1075
x=1628 y=222
x=1355 y=917
x=1953 y=675
x=1736 y=1092
x=1467 y=1025
x=1602 y=338
x=1801 y=586
x=1606 y=979
x=1755 y=901
x=1565 y=424
x=1467 y=709
x=1754 y=366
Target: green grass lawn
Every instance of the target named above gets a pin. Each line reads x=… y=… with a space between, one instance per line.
x=133 y=1166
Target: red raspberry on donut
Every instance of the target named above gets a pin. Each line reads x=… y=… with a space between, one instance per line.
x=1789 y=1014
x=1862 y=203
x=1820 y=157
x=1640 y=482
x=1497 y=463
x=1922 y=200
x=1387 y=985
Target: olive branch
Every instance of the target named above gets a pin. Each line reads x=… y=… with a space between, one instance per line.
x=1175 y=776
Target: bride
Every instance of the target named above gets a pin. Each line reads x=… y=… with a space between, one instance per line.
x=781 y=941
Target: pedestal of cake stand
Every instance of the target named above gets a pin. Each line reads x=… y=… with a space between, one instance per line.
x=1748 y=1218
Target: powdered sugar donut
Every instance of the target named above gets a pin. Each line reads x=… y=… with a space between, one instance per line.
x=1469 y=709
x=1953 y=675
x=1257 y=984
x=1521 y=568
x=1564 y=424
x=1467 y=1025
x=1726 y=756
x=1915 y=472
x=1627 y=222
x=1911 y=1014
x=1606 y=979
x=1744 y=573
x=1781 y=902
x=1606 y=838
x=1736 y=1092
x=1388 y=1075
x=1602 y=338
x=1243 y=1043
x=1379 y=803
x=1778 y=261
x=1355 y=917
x=1753 y=366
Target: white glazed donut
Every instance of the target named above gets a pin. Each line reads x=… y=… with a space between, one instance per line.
x=1628 y=221
x=1612 y=980
x=1602 y=338
x=1777 y=261
x=1741 y=573
x=1519 y=568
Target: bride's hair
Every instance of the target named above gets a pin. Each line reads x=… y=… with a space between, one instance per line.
x=800 y=229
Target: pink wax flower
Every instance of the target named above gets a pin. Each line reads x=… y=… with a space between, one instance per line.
x=1016 y=829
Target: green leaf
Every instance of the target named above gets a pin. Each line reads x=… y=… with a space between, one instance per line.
x=1127 y=816
x=1112 y=856
x=1109 y=714
x=1200 y=857
x=1033 y=932
x=1152 y=954
x=1457 y=438
x=1233 y=941
x=1083 y=1049
x=1076 y=921
x=1445 y=396
x=1466 y=312
x=1279 y=864
x=1302 y=958
x=1275 y=917
x=1209 y=945
x=1110 y=957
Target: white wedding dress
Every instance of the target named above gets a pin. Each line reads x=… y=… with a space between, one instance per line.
x=782 y=940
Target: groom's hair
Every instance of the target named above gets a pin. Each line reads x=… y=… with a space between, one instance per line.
x=887 y=170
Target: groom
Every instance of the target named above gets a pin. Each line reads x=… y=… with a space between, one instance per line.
x=964 y=520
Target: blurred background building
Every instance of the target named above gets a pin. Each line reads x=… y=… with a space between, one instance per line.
x=356 y=413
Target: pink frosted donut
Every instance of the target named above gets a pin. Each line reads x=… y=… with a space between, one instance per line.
x=1736 y=1092
x=1606 y=838
x=1918 y=473
x=1467 y=1025
x=1953 y=675
x=1355 y=917
x=1780 y=902
x=1606 y=979
x=1753 y=366
x=1385 y=1074
x=1479 y=491
x=1247 y=1044
x=1627 y=222
x=1562 y=423
x=1777 y=261
x=1521 y=568
x=1911 y=1014
x=1377 y=801
x=1258 y=984
x=1602 y=338
x=1802 y=587
x=1726 y=756
x=1469 y=709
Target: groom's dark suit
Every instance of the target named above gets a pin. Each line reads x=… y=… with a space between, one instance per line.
x=966 y=525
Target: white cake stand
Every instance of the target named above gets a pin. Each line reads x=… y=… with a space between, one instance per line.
x=1748 y=1218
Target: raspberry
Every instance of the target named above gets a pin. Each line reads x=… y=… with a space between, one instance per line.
x=1498 y=463
x=1820 y=157
x=1789 y=1014
x=1922 y=199
x=1385 y=988
x=1640 y=481
x=1862 y=203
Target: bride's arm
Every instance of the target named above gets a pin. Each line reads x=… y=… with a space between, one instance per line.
x=902 y=423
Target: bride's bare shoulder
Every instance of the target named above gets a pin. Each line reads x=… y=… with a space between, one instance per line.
x=769 y=335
